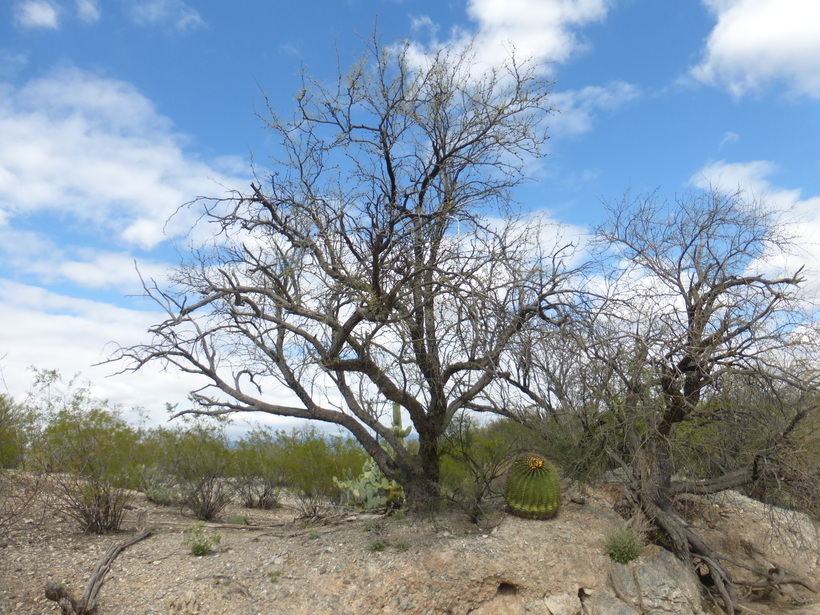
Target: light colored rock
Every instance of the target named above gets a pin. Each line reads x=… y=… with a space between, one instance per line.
x=658 y=582
x=563 y=604
x=606 y=604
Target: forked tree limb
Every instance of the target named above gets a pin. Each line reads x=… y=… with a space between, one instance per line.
x=88 y=601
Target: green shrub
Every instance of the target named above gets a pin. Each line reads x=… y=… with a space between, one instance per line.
x=310 y=461
x=198 y=459
x=157 y=486
x=17 y=489
x=16 y=425
x=473 y=461
x=198 y=542
x=88 y=451
x=259 y=474
x=377 y=544
x=623 y=545
x=401 y=546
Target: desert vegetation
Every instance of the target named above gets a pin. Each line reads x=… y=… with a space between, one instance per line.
x=382 y=273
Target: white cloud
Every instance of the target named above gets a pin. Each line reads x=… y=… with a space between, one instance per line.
x=37 y=256
x=52 y=331
x=88 y=10
x=801 y=215
x=94 y=152
x=729 y=138
x=36 y=14
x=543 y=30
x=173 y=13
x=577 y=108
x=757 y=42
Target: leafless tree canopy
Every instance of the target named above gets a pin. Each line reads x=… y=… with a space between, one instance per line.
x=380 y=261
x=693 y=329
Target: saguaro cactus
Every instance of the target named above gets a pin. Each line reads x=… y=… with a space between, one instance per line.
x=532 y=489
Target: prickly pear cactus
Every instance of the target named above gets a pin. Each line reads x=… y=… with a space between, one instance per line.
x=371 y=489
x=532 y=489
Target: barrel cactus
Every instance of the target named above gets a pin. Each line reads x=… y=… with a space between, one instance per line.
x=532 y=489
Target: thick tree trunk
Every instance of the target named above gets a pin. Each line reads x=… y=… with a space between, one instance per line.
x=654 y=494
x=422 y=489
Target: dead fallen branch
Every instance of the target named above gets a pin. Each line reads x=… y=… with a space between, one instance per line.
x=772 y=578
x=58 y=593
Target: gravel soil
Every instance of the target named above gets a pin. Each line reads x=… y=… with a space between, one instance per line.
x=346 y=563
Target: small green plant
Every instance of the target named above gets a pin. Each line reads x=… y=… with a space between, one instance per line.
x=377 y=544
x=198 y=542
x=314 y=535
x=274 y=576
x=162 y=496
x=237 y=520
x=532 y=489
x=157 y=486
x=401 y=545
x=623 y=545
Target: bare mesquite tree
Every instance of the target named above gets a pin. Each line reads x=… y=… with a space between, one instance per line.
x=379 y=262
x=691 y=337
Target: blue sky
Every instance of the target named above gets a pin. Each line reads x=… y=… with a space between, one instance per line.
x=113 y=113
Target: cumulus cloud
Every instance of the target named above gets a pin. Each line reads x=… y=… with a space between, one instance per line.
x=36 y=14
x=95 y=153
x=544 y=30
x=73 y=335
x=170 y=13
x=801 y=215
x=758 y=42
x=578 y=108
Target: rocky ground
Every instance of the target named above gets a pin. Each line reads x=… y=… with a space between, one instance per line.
x=432 y=564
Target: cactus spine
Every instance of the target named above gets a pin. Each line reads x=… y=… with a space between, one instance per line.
x=532 y=489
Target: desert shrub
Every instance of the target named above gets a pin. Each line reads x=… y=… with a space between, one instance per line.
x=17 y=489
x=16 y=425
x=198 y=542
x=401 y=546
x=157 y=485
x=310 y=460
x=88 y=453
x=237 y=520
x=474 y=458
x=786 y=470
x=623 y=545
x=259 y=474
x=200 y=462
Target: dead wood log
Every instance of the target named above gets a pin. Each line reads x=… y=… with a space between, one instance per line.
x=58 y=593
